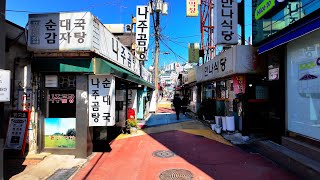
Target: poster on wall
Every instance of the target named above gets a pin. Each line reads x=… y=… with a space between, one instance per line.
x=17 y=130
x=60 y=132
x=132 y=99
x=101 y=100
x=239 y=84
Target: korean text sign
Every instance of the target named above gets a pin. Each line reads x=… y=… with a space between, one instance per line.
x=101 y=100
x=4 y=85
x=142 y=31
x=17 y=130
x=60 y=31
x=225 y=22
x=192 y=8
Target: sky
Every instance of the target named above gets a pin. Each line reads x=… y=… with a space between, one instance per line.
x=176 y=29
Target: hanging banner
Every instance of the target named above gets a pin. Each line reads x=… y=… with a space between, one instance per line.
x=4 y=85
x=142 y=32
x=101 y=100
x=239 y=84
x=192 y=8
x=225 y=13
x=193 y=52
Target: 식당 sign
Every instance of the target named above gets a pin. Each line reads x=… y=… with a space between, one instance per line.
x=101 y=100
x=225 y=22
x=192 y=8
x=4 y=85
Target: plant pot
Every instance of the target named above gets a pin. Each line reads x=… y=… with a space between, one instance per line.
x=133 y=130
x=218 y=129
x=224 y=123
x=218 y=120
x=213 y=126
x=230 y=123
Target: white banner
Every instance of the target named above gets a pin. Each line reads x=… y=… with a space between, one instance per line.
x=225 y=22
x=60 y=31
x=101 y=100
x=132 y=99
x=142 y=31
x=4 y=85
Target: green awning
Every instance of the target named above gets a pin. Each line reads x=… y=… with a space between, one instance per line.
x=62 y=65
x=90 y=66
x=102 y=66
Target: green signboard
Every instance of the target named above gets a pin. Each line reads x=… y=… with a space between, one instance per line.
x=263 y=8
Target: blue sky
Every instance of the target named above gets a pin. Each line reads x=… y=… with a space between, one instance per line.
x=177 y=30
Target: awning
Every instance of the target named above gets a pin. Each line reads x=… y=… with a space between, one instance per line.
x=90 y=66
x=102 y=66
x=62 y=65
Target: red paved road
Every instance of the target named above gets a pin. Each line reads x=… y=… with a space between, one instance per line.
x=132 y=159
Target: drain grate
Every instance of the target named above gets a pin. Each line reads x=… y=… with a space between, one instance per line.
x=176 y=174
x=163 y=154
x=63 y=174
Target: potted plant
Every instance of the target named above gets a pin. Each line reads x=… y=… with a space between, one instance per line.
x=132 y=124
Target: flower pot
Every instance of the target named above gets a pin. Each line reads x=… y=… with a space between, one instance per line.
x=230 y=123
x=224 y=123
x=218 y=120
x=213 y=126
x=218 y=129
x=133 y=130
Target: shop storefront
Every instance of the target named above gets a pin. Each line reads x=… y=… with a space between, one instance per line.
x=303 y=85
x=287 y=35
x=84 y=86
x=227 y=82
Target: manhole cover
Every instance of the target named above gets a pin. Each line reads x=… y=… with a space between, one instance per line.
x=179 y=174
x=163 y=154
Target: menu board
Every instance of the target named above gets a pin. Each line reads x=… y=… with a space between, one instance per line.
x=17 y=130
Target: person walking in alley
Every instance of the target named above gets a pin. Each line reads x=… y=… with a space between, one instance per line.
x=177 y=104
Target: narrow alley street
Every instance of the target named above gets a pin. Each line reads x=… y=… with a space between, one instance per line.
x=177 y=150
x=165 y=149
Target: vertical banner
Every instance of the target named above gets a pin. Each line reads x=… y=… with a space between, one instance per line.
x=142 y=32
x=101 y=100
x=239 y=84
x=193 y=52
x=192 y=8
x=225 y=13
x=132 y=99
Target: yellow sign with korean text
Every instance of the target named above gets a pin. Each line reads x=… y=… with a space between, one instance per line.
x=192 y=8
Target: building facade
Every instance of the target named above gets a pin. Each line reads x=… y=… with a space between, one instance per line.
x=287 y=37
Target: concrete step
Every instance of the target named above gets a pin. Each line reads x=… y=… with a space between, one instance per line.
x=302 y=148
x=299 y=164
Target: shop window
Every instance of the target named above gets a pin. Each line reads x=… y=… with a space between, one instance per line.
x=62 y=103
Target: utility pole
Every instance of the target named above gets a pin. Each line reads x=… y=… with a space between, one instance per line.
x=157 y=49
x=157 y=7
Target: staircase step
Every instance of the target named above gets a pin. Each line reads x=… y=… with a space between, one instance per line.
x=302 y=148
x=299 y=164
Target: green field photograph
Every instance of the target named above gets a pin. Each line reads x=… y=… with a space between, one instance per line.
x=60 y=133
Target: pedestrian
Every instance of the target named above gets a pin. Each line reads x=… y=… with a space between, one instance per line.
x=177 y=105
x=184 y=104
